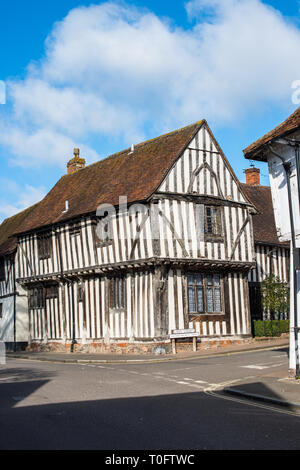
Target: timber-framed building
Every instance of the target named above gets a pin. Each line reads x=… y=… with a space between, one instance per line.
x=178 y=255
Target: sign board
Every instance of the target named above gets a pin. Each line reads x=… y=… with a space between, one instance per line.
x=183 y=335
x=188 y=330
x=188 y=333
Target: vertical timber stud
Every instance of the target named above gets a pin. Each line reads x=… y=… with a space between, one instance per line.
x=160 y=294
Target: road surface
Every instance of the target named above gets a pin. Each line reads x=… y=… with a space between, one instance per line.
x=167 y=405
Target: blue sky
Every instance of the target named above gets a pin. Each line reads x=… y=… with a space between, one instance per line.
x=104 y=75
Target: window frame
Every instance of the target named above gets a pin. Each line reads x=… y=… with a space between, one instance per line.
x=218 y=223
x=37 y=298
x=44 y=245
x=75 y=229
x=51 y=291
x=118 y=285
x=205 y=286
x=80 y=292
x=97 y=242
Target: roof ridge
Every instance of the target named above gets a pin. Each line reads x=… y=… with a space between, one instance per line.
x=256 y=186
x=137 y=175
x=140 y=144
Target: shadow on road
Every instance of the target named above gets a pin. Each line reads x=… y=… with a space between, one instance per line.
x=179 y=421
x=14 y=374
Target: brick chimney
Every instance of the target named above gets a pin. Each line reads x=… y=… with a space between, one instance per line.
x=252 y=176
x=76 y=163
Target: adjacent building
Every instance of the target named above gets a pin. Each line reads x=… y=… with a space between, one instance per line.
x=272 y=256
x=14 y=318
x=280 y=149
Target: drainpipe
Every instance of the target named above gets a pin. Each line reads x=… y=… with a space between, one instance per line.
x=287 y=168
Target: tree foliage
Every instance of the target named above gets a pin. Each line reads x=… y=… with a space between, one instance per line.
x=275 y=296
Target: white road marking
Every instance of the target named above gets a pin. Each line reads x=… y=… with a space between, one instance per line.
x=262 y=366
x=254 y=366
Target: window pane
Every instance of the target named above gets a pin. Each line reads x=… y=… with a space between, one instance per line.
x=191 y=299
x=209 y=280
x=118 y=293
x=216 y=280
x=218 y=299
x=214 y=221
x=190 y=279
x=124 y=292
x=198 y=279
x=200 y=306
x=209 y=298
x=209 y=221
x=120 y=290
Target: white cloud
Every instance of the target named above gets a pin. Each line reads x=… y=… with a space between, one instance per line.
x=20 y=197
x=113 y=70
x=42 y=147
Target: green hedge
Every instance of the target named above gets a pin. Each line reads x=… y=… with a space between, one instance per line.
x=270 y=327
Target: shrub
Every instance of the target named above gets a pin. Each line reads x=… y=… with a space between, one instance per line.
x=270 y=328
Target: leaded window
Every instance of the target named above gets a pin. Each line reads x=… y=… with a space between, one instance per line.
x=37 y=297
x=80 y=293
x=212 y=222
x=44 y=246
x=118 y=293
x=52 y=291
x=204 y=293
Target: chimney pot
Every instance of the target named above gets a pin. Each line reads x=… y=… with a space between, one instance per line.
x=76 y=163
x=252 y=176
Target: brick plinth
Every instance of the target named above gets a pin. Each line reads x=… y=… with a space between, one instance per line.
x=127 y=348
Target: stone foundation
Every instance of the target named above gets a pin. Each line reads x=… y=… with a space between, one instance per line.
x=154 y=347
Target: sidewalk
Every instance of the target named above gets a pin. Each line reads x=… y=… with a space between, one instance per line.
x=274 y=387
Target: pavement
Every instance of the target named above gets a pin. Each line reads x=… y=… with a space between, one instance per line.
x=274 y=387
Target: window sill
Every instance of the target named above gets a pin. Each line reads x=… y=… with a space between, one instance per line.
x=207 y=314
x=117 y=310
x=213 y=238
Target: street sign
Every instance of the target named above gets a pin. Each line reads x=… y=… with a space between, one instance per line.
x=184 y=333
x=181 y=334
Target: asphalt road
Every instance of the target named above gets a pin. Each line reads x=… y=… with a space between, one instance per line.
x=162 y=406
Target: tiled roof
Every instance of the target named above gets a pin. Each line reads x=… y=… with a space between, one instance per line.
x=264 y=227
x=134 y=174
x=8 y=228
x=291 y=124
